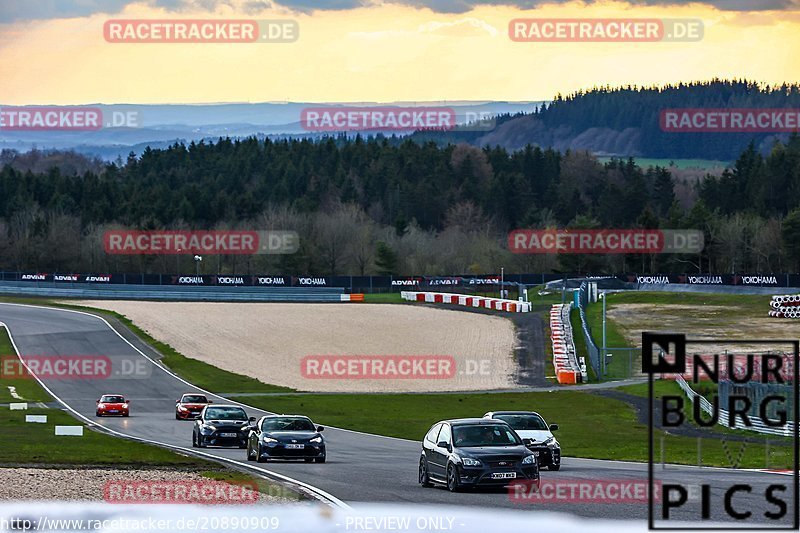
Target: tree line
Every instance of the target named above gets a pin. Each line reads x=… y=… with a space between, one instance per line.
x=371 y=206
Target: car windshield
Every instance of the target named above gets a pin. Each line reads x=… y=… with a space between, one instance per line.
x=112 y=399
x=225 y=413
x=189 y=398
x=484 y=435
x=523 y=422
x=287 y=424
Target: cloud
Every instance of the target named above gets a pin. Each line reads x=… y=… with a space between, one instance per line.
x=21 y=10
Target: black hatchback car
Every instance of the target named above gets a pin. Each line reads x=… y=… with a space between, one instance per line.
x=286 y=437
x=472 y=452
x=221 y=425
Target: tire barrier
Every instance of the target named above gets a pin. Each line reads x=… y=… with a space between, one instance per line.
x=785 y=306
x=565 y=361
x=497 y=304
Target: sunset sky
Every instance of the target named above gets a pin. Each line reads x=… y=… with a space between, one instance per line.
x=54 y=52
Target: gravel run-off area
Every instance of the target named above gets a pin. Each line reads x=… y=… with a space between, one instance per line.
x=269 y=341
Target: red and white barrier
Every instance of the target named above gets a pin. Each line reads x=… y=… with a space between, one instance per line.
x=565 y=361
x=497 y=304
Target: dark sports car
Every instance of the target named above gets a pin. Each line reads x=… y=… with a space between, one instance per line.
x=471 y=452
x=221 y=425
x=286 y=437
x=535 y=433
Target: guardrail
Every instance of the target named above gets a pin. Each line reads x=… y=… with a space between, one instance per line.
x=181 y=293
x=786 y=430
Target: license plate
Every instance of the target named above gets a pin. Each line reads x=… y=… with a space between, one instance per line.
x=295 y=446
x=113 y=410
x=227 y=435
x=504 y=475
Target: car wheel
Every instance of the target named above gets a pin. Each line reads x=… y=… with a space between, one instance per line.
x=452 y=478
x=260 y=459
x=125 y=414
x=250 y=455
x=424 y=478
x=98 y=413
x=194 y=440
x=200 y=443
x=177 y=417
x=554 y=467
x=320 y=459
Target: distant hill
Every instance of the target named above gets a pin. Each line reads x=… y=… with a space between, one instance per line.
x=625 y=121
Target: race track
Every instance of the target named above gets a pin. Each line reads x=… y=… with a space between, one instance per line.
x=360 y=467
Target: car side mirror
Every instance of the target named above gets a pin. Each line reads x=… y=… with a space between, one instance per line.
x=320 y=429
x=97 y=401
x=444 y=444
x=209 y=401
x=126 y=401
x=177 y=401
x=527 y=442
x=251 y=419
x=553 y=427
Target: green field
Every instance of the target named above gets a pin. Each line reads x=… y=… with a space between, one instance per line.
x=645 y=162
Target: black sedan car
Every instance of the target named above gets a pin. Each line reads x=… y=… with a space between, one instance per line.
x=286 y=437
x=535 y=433
x=221 y=425
x=473 y=452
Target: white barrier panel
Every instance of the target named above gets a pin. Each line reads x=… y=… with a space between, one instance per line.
x=38 y=419
x=76 y=431
x=18 y=406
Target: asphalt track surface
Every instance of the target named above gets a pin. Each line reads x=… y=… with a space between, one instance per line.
x=360 y=467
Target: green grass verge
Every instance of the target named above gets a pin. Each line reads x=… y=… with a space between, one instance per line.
x=590 y=426
x=13 y=374
x=384 y=298
x=24 y=443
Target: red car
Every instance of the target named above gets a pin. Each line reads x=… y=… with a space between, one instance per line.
x=190 y=405
x=112 y=405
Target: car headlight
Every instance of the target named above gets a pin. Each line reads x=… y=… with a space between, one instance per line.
x=208 y=427
x=469 y=461
x=182 y=408
x=529 y=460
x=551 y=442
x=101 y=406
x=316 y=440
x=124 y=405
x=269 y=440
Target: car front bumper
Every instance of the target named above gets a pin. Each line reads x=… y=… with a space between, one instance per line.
x=279 y=451
x=483 y=476
x=547 y=456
